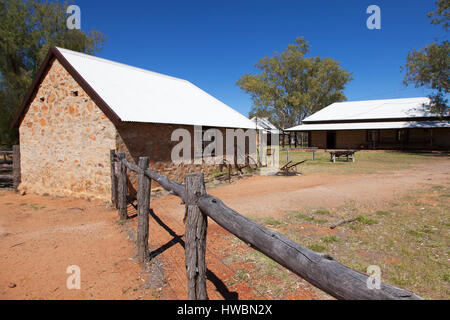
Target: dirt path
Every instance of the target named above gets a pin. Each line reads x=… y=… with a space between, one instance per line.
x=42 y=236
x=273 y=196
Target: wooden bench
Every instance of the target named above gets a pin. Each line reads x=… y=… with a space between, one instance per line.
x=349 y=154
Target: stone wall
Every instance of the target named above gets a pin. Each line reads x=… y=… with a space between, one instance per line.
x=65 y=141
x=153 y=140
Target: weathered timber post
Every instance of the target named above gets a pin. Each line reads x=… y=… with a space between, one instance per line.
x=122 y=188
x=143 y=198
x=196 y=229
x=112 y=158
x=16 y=167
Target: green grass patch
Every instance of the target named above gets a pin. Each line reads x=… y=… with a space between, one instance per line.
x=305 y=217
x=330 y=239
x=323 y=212
x=36 y=206
x=317 y=247
x=366 y=162
x=414 y=233
x=366 y=220
x=272 y=222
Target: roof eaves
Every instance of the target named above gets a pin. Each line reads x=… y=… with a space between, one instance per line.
x=54 y=53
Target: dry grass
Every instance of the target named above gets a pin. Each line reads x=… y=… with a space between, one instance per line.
x=408 y=239
x=366 y=162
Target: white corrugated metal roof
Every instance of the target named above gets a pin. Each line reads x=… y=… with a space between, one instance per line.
x=265 y=124
x=138 y=95
x=372 y=125
x=373 y=109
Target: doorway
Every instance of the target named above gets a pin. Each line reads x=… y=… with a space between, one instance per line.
x=331 y=139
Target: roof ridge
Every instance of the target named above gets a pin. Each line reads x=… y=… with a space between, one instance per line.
x=88 y=56
x=383 y=100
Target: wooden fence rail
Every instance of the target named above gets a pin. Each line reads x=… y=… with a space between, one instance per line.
x=321 y=270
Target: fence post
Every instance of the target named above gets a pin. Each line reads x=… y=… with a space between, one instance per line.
x=112 y=158
x=143 y=198
x=196 y=229
x=16 y=167
x=122 y=188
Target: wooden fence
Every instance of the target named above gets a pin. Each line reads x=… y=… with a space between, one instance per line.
x=321 y=270
x=10 y=166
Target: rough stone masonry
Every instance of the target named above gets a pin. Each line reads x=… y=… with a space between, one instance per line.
x=65 y=140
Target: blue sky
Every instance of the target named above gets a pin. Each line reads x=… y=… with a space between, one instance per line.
x=212 y=43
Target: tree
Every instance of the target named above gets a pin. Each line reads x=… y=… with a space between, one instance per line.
x=27 y=31
x=442 y=14
x=291 y=86
x=429 y=66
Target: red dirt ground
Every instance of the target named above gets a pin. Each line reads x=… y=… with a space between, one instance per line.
x=41 y=236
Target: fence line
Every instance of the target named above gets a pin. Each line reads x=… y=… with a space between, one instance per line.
x=14 y=167
x=321 y=270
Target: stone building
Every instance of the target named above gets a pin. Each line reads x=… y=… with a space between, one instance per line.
x=395 y=124
x=79 y=107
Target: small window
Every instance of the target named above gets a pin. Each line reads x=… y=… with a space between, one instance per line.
x=74 y=93
x=42 y=99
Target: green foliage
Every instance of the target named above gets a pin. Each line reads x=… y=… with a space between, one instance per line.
x=27 y=31
x=291 y=86
x=429 y=67
x=442 y=14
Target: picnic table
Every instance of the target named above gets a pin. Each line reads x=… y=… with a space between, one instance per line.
x=349 y=154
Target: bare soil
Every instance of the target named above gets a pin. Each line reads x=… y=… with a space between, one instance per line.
x=41 y=236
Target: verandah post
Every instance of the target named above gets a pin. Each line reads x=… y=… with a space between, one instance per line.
x=16 y=166
x=122 y=188
x=196 y=229
x=143 y=198
x=112 y=158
